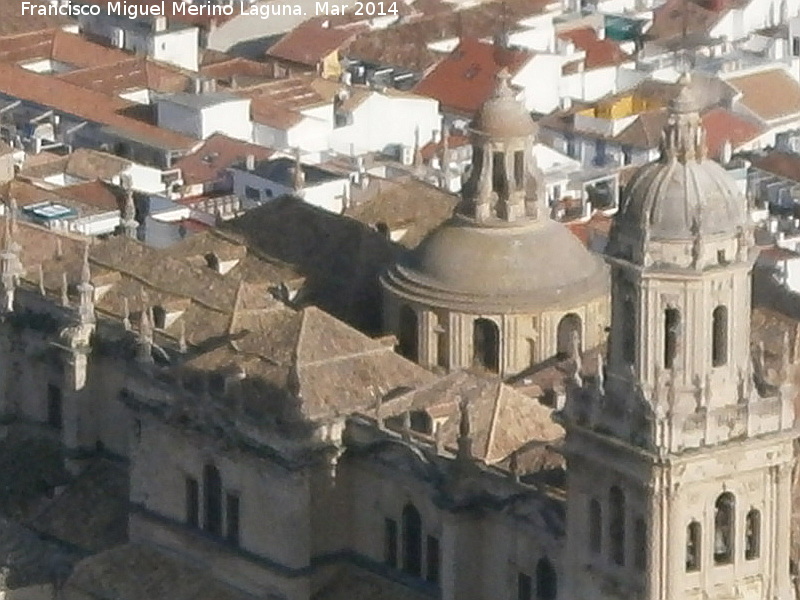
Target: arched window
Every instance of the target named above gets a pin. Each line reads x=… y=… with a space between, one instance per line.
x=616 y=525
x=212 y=490
x=752 y=535
x=568 y=327
x=672 y=323
x=421 y=422
x=640 y=544
x=724 y=511
x=408 y=336
x=412 y=541
x=486 y=345
x=499 y=181
x=212 y=261
x=595 y=527
x=693 y=546
x=719 y=336
x=159 y=317
x=546 y=580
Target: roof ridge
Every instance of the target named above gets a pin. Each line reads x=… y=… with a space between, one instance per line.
x=494 y=420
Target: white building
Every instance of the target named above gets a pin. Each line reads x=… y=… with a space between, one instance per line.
x=204 y=114
x=173 y=43
x=257 y=182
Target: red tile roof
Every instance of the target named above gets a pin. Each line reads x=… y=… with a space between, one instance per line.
x=207 y=163
x=722 y=125
x=406 y=43
x=130 y=74
x=700 y=16
x=60 y=46
x=93 y=193
x=599 y=53
x=85 y=104
x=309 y=43
x=12 y=21
x=432 y=149
x=777 y=162
x=464 y=80
x=772 y=95
x=203 y=20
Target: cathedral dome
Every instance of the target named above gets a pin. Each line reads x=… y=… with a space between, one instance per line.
x=675 y=201
x=504 y=268
x=683 y=194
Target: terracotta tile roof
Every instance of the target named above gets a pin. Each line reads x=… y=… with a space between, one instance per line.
x=774 y=253
x=502 y=419
x=342 y=256
x=96 y=194
x=202 y=21
x=432 y=149
x=406 y=44
x=277 y=103
x=208 y=163
x=464 y=80
x=777 y=162
x=645 y=131
x=231 y=69
x=700 y=17
x=93 y=164
x=722 y=125
x=12 y=21
x=130 y=74
x=406 y=205
x=772 y=95
x=599 y=53
x=310 y=42
x=85 y=104
x=68 y=48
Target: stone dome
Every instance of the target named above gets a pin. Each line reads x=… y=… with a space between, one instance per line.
x=502 y=115
x=683 y=195
x=674 y=201
x=506 y=268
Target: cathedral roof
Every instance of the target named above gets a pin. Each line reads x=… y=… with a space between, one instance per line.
x=138 y=572
x=683 y=194
x=497 y=252
x=502 y=419
x=505 y=269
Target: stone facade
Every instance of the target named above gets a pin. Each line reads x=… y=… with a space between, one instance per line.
x=500 y=285
x=680 y=459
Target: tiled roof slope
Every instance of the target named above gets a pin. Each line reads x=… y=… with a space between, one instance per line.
x=138 y=572
x=61 y=46
x=599 y=52
x=310 y=42
x=86 y=104
x=209 y=161
x=406 y=44
x=464 y=80
x=402 y=204
x=502 y=420
x=341 y=257
x=771 y=94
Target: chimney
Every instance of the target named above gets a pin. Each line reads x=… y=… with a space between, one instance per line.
x=250 y=162
x=160 y=24
x=565 y=103
x=197 y=84
x=436 y=136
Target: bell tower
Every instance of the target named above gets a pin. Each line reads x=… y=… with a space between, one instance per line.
x=679 y=459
